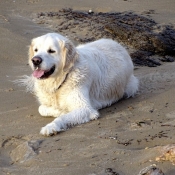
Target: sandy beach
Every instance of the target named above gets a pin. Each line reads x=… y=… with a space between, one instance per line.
x=129 y=136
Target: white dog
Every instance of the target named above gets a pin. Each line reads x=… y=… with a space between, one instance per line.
x=72 y=83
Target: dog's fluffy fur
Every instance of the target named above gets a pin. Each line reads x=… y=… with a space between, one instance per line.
x=86 y=78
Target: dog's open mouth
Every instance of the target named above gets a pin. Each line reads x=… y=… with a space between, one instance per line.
x=41 y=74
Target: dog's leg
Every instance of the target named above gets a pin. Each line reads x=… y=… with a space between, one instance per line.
x=75 y=117
x=48 y=111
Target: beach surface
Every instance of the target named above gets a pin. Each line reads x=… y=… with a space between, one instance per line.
x=129 y=136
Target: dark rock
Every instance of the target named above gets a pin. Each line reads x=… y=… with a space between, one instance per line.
x=110 y=171
x=170 y=59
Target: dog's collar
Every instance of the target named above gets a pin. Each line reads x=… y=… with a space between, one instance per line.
x=62 y=82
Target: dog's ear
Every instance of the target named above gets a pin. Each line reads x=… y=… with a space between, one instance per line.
x=69 y=54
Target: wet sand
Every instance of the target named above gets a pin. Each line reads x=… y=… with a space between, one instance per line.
x=130 y=134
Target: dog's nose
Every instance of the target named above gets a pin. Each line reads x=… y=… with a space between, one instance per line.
x=36 y=61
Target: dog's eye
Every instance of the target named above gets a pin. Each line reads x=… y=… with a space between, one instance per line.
x=36 y=50
x=51 y=51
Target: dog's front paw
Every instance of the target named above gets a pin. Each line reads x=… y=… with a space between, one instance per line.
x=50 y=129
x=43 y=110
x=48 y=111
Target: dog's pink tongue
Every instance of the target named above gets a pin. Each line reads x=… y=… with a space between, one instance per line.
x=38 y=73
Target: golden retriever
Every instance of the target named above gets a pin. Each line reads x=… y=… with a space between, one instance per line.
x=73 y=83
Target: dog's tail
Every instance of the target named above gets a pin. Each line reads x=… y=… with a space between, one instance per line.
x=26 y=81
x=132 y=86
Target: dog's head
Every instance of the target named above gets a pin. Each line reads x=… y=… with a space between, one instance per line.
x=50 y=54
